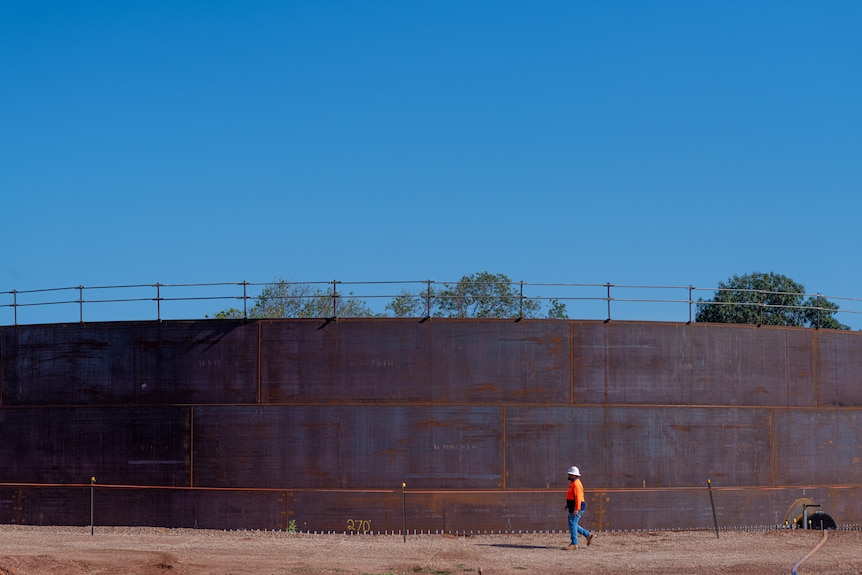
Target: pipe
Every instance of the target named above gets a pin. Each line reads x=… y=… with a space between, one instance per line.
x=810 y=553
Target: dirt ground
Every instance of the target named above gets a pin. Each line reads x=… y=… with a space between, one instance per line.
x=149 y=551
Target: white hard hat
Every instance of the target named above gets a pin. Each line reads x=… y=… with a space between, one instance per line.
x=574 y=471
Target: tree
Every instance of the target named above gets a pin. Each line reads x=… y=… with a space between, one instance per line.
x=407 y=304
x=768 y=299
x=557 y=310
x=282 y=299
x=481 y=295
x=820 y=312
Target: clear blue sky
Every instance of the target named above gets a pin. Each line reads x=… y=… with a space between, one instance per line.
x=657 y=143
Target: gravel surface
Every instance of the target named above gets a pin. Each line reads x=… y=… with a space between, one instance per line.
x=146 y=551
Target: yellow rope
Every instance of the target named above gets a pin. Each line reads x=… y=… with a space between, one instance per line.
x=810 y=553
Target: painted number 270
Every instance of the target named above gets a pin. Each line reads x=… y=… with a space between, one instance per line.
x=359 y=525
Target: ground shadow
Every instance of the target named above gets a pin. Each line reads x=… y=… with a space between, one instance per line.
x=513 y=546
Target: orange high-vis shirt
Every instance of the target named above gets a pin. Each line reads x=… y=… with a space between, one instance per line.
x=576 y=493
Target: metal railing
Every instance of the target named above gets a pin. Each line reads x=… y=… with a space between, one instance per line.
x=158 y=301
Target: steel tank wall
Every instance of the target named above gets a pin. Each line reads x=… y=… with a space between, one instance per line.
x=255 y=424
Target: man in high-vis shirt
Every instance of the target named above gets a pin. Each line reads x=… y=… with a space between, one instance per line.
x=576 y=505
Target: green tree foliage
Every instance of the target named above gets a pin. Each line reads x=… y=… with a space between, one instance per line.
x=820 y=312
x=407 y=304
x=282 y=299
x=557 y=310
x=480 y=295
x=768 y=299
x=484 y=295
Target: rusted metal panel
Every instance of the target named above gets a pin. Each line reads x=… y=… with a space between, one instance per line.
x=134 y=362
x=348 y=446
x=502 y=361
x=838 y=357
x=386 y=361
x=189 y=508
x=358 y=361
x=133 y=446
x=691 y=508
x=437 y=511
x=650 y=362
x=644 y=446
x=652 y=509
x=589 y=362
x=818 y=447
x=841 y=502
x=52 y=505
x=672 y=447
x=192 y=508
x=768 y=506
x=751 y=366
x=635 y=363
x=354 y=511
x=379 y=511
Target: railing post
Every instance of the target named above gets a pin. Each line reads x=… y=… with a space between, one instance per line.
x=609 y=301
x=81 y=304
x=760 y=295
x=15 y=307
x=92 y=504
x=404 y=511
x=819 y=312
x=690 y=301
x=428 y=302
x=521 y=311
x=244 y=300
x=334 y=300
x=159 y=301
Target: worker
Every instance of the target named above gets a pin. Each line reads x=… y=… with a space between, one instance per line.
x=576 y=505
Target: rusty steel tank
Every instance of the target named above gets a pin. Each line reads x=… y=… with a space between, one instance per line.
x=443 y=425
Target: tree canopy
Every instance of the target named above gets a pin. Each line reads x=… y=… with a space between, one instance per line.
x=282 y=299
x=480 y=295
x=767 y=299
x=755 y=298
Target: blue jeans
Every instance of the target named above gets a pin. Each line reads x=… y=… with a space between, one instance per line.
x=574 y=528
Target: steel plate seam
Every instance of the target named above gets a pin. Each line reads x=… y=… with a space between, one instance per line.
x=192 y=446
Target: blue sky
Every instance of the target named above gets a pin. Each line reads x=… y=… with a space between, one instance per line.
x=639 y=143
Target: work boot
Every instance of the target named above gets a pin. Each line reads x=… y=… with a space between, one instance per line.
x=570 y=547
x=590 y=539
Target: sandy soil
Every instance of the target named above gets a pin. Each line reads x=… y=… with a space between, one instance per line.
x=148 y=551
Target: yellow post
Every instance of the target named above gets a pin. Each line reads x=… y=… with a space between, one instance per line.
x=404 y=510
x=92 y=503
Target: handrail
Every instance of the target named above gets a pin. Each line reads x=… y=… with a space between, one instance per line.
x=159 y=301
